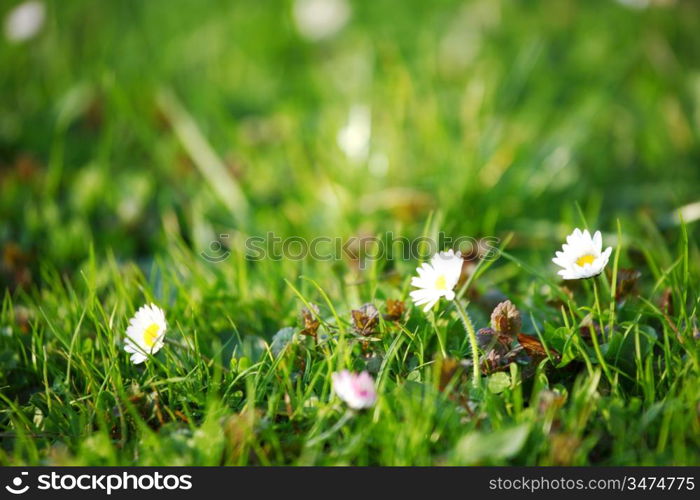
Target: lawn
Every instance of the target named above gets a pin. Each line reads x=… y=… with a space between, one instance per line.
x=258 y=171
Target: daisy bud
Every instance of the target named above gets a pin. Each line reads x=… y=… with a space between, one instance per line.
x=394 y=309
x=505 y=320
x=486 y=339
x=309 y=320
x=365 y=319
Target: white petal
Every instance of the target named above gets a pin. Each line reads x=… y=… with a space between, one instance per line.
x=422 y=293
x=419 y=282
x=430 y=305
x=138 y=358
x=598 y=241
x=574 y=237
x=425 y=270
x=560 y=262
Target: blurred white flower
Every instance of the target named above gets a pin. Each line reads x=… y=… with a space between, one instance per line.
x=643 y=4
x=318 y=19
x=582 y=256
x=24 y=21
x=145 y=333
x=354 y=137
x=357 y=390
x=634 y=4
x=437 y=279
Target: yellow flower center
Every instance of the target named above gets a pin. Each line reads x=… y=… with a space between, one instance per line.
x=441 y=282
x=585 y=259
x=150 y=334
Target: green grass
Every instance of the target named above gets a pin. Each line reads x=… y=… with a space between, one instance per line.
x=132 y=134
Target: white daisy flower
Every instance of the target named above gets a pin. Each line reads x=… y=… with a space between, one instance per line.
x=437 y=279
x=24 y=21
x=582 y=256
x=145 y=333
x=319 y=19
x=354 y=137
x=357 y=390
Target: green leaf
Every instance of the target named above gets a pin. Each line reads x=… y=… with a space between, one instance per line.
x=495 y=446
x=499 y=382
x=282 y=339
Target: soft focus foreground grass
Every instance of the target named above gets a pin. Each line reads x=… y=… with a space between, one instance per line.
x=488 y=119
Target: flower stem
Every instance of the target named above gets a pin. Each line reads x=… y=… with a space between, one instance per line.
x=471 y=333
x=441 y=342
x=338 y=425
x=594 y=336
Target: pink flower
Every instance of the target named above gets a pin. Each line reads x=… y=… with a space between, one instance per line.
x=357 y=390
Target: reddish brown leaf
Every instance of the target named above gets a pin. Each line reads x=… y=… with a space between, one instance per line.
x=534 y=348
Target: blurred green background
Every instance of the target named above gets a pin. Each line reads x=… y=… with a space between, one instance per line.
x=134 y=133
x=128 y=125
